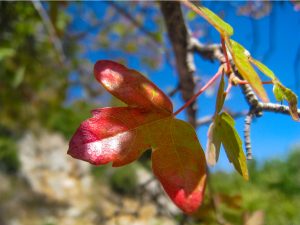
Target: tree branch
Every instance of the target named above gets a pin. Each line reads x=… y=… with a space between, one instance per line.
x=214 y=52
x=275 y=108
x=206 y=120
x=183 y=50
x=208 y=51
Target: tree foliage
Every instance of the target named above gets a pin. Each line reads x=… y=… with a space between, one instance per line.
x=29 y=75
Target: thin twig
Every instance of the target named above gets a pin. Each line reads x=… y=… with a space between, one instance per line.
x=51 y=30
x=134 y=21
x=276 y=108
x=206 y=120
x=208 y=51
x=248 y=120
x=174 y=91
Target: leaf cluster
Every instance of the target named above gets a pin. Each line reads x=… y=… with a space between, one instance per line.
x=222 y=131
x=243 y=61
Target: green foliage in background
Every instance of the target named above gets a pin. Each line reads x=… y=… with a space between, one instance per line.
x=124 y=180
x=65 y=119
x=273 y=188
x=33 y=82
x=9 y=161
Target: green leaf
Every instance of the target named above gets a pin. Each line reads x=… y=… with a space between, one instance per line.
x=232 y=143
x=281 y=92
x=243 y=65
x=213 y=145
x=222 y=131
x=220 y=96
x=263 y=68
x=6 y=52
x=213 y=141
x=224 y=28
x=19 y=77
x=278 y=93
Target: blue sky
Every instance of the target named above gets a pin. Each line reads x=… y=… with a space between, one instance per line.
x=272 y=135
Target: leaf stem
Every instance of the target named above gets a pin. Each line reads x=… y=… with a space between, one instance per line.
x=192 y=99
x=228 y=88
x=225 y=54
x=263 y=82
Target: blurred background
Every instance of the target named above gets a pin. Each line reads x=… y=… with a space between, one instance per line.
x=47 y=88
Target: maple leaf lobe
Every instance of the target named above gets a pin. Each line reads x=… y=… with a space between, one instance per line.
x=113 y=134
x=179 y=164
x=131 y=87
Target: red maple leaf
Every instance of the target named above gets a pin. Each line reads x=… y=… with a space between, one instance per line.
x=121 y=134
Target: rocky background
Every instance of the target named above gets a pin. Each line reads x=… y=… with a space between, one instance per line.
x=53 y=188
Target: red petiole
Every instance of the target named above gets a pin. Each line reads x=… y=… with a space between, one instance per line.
x=228 y=88
x=225 y=54
x=192 y=99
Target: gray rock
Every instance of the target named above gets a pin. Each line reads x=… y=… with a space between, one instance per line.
x=50 y=171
